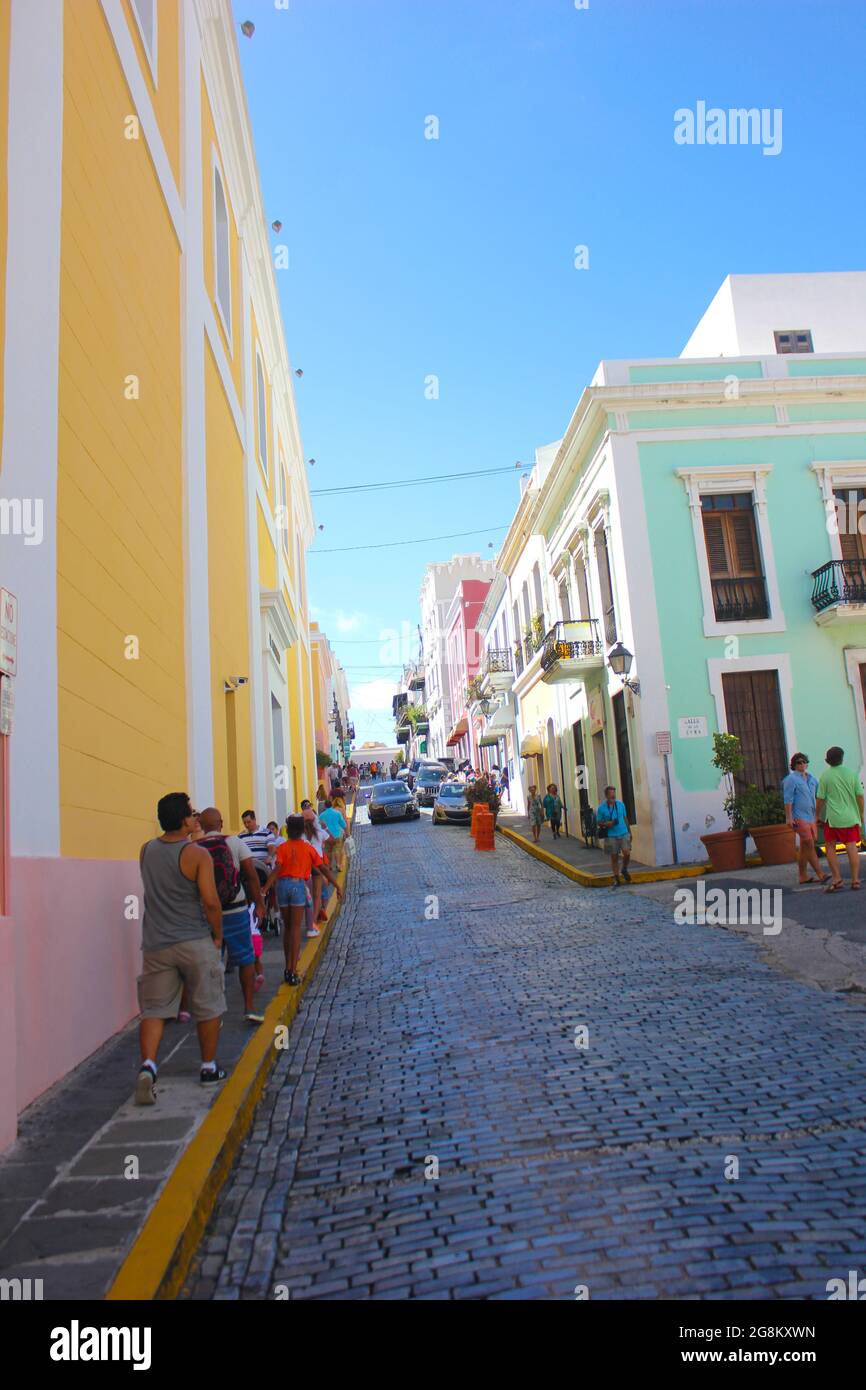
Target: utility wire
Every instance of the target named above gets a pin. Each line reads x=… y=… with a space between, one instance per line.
x=417 y=540
x=413 y=482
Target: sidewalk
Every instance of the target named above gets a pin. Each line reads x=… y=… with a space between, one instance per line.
x=89 y=1166
x=591 y=867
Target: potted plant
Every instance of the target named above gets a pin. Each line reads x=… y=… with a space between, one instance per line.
x=726 y=849
x=763 y=815
x=481 y=790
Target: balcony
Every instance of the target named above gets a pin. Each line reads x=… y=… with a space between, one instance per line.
x=571 y=648
x=839 y=591
x=403 y=733
x=496 y=672
x=415 y=677
x=740 y=600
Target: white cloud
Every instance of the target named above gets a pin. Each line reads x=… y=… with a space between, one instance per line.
x=349 y=622
x=372 y=695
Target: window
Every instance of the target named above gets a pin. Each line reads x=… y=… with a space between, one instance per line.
x=794 y=340
x=734 y=557
x=145 y=14
x=581 y=587
x=605 y=584
x=283 y=510
x=222 y=253
x=536 y=585
x=564 y=601
x=262 y=416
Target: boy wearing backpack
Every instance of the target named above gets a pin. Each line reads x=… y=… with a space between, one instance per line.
x=234 y=867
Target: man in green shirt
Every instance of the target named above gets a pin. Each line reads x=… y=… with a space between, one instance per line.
x=840 y=807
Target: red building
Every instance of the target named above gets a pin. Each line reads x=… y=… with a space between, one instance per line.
x=464 y=648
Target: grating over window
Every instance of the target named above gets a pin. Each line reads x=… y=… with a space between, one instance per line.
x=794 y=340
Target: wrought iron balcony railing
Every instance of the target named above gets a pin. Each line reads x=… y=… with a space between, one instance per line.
x=740 y=600
x=571 y=640
x=840 y=581
x=497 y=660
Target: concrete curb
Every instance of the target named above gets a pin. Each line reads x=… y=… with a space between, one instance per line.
x=600 y=880
x=159 y=1259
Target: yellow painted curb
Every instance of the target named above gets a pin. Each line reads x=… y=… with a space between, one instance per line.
x=158 y=1262
x=601 y=880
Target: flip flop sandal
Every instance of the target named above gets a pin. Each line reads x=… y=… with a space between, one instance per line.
x=835 y=887
x=855 y=887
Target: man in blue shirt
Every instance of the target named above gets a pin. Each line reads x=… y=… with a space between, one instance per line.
x=799 y=793
x=612 y=817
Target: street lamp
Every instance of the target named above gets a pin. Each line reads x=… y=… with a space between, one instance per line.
x=619 y=659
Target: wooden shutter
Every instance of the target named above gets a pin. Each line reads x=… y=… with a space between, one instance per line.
x=714 y=534
x=754 y=713
x=850 y=540
x=744 y=543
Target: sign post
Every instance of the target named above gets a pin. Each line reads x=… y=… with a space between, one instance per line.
x=664 y=747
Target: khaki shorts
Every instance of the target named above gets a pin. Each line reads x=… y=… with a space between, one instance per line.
x=618 y=844
x=195 y=964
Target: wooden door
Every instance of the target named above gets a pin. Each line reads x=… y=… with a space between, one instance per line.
x=753 y=708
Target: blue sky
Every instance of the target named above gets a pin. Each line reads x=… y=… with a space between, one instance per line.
x=411 y=257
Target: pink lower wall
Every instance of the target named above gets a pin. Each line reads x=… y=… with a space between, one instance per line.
x=72 y=957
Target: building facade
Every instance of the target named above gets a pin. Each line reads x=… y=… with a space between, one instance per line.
x=334 y=730
x=703 y=532
x=160 y=628
x=438 y=588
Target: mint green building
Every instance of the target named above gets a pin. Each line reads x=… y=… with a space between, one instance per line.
x=708 y=515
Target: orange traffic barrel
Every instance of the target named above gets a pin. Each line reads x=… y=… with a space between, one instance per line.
x=473 y=824
x=484 y=832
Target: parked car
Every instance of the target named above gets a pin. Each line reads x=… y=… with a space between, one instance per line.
x=392 y=801
x=428 y=782
x=450 y=804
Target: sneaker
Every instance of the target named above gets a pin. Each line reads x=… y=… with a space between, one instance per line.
x=145 y=1087
x=314 y=931
x=617 y=881
x=626 y=875
x=291 y=978
x=254 y=1018
x=212 y=1078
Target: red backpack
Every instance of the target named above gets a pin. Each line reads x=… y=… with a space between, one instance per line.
x=224 y=871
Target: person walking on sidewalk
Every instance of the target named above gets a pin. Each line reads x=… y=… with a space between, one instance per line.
x=553 y=809
x=535 y=811
x=234 y=867
x=181 y=937
x=840 y=807
x=613 y=816
x=295 y=860
x=799 y=793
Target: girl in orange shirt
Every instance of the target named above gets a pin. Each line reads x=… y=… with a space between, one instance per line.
x=295 y=860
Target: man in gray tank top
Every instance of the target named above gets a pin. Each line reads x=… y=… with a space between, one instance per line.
x=181 y=939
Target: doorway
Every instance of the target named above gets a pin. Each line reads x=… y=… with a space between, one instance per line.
x=626 y=785
x=600 y=765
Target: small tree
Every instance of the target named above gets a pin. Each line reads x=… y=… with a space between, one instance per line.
x=728 y=758
x=323 y=760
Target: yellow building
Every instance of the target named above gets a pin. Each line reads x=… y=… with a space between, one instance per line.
x=156 y=514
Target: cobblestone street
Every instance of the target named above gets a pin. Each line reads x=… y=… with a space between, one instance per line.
x=450 y=1041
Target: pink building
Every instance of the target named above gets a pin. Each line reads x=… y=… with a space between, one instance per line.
x=464 y=647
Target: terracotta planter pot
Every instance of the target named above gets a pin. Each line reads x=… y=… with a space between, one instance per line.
x=775 y=843
x=726 y=850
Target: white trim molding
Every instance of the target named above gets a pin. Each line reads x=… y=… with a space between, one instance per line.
x=718 y=666
x=30 y=397
x=830 y=474
x=699 y=482
x=854 y=658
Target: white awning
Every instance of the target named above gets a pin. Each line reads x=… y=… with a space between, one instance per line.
x=531 y=746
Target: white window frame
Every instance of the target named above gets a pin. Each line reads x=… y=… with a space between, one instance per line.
x=700 y=482
x=832 y=474
x=225 y=313
x=780 y=662
x=151 y=49
x=283 y=500
x=262 y=424
x=854 y=658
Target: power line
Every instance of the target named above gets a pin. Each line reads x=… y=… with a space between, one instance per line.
x=417 y=540
x=413 y=482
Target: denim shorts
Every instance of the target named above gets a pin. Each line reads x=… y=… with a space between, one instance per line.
x=237 y=936
x=291 y=892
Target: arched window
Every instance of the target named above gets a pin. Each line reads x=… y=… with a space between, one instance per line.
x=222 y=253
x=262 y=418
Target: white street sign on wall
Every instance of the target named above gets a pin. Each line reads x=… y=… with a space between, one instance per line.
x=693 y=726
